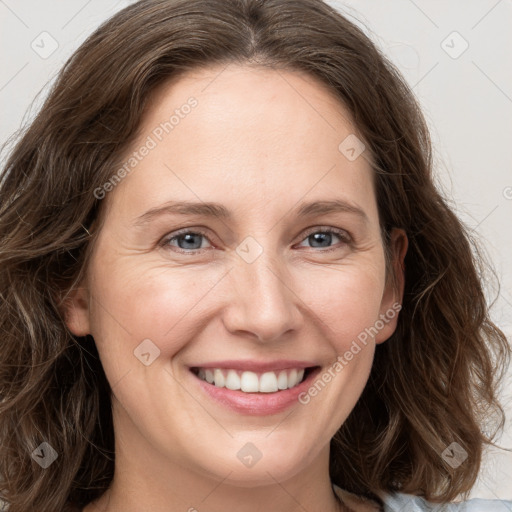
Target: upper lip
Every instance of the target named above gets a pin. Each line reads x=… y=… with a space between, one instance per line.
x=257 y=366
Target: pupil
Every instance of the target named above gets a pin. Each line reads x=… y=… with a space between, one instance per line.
x=319 y=237
x=188 y=238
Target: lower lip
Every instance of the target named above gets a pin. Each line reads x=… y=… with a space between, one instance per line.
x=256 y=404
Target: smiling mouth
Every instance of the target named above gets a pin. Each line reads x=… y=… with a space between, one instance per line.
x=253 y=382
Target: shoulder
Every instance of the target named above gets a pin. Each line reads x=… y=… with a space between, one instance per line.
x=353 y=500
x=398 y=502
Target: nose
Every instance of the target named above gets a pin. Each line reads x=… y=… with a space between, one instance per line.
x=263 y=303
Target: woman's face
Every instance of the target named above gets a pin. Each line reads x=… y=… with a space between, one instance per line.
x=242 y=245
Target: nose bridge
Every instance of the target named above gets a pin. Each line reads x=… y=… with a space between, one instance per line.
x=263 y=303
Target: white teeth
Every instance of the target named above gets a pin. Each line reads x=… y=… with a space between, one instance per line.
x=282 y=380
x=292 y=378
x=218 y=378
x=209 y=376
x=251 y=382
x=268 y=382
x=232 y=380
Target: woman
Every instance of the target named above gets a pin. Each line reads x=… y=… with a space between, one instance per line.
x=229 y=282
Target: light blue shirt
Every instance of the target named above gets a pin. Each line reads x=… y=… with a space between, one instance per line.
x=407 y=503
x=399 y=502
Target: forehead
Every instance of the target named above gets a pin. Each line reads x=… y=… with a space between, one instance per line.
x=249 y=133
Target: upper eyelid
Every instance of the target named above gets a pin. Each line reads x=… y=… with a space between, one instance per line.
x=321 y=229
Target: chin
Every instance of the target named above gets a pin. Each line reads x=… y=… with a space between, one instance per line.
x=274 y=464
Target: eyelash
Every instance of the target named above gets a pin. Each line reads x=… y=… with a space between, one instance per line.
x=343 y=235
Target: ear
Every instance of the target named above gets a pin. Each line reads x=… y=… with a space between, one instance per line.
x=75 y=308
x=394 y=290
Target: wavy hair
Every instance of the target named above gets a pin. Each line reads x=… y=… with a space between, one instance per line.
x=434 y=382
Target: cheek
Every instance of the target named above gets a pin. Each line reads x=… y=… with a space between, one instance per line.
x=138 y=302
x=346 y=301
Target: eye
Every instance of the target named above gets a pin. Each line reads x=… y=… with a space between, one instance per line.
x=186 y=240
x=320 y=238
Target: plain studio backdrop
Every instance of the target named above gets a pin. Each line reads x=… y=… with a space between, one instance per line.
x=453 y=54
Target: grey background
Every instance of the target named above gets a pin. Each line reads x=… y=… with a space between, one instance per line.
x=466 y=94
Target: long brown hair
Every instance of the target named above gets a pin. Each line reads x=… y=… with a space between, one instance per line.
x=434 y=382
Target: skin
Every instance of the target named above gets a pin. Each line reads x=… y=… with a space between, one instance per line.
x=260 y=142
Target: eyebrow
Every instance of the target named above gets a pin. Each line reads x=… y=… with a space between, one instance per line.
x=218 y=211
